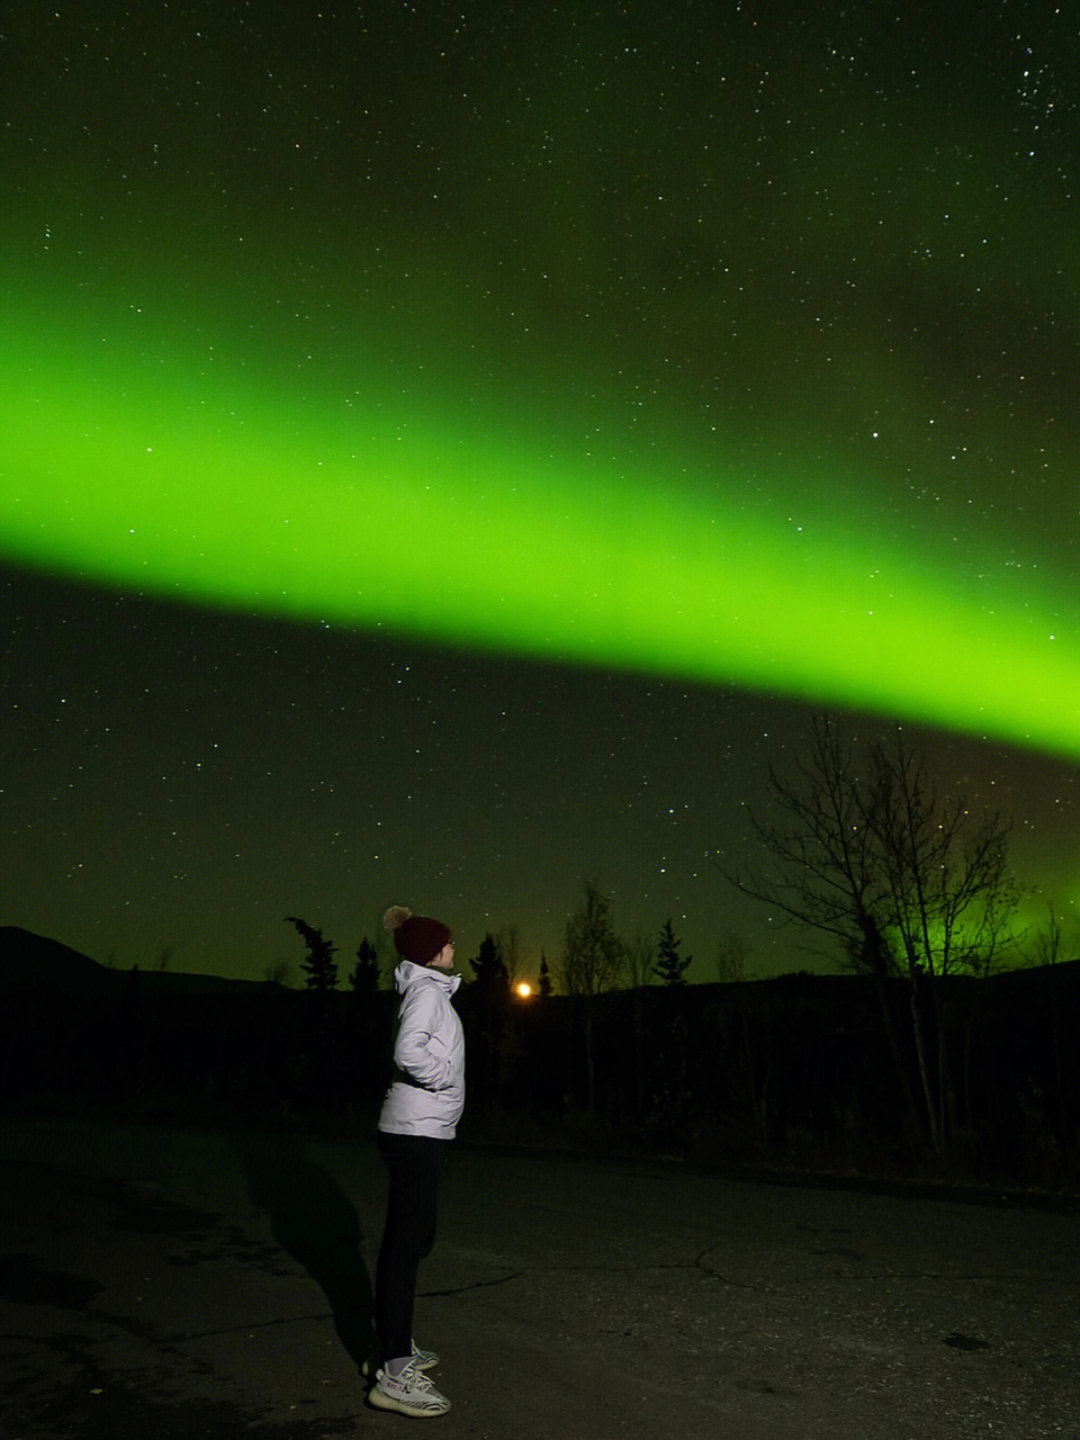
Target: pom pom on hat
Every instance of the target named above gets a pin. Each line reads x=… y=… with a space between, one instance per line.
x=416 y=937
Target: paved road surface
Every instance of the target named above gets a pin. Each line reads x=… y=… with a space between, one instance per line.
x=164 y=1284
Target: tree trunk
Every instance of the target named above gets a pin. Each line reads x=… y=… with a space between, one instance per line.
x=913 y=1111
x=639 y=1054
x=924 y=1071
x=946 y=1103
x=590 y=1063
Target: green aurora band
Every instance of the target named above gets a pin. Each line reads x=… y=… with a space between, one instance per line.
x=151 y=468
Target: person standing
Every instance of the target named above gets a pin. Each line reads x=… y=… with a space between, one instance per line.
x=418 y=1120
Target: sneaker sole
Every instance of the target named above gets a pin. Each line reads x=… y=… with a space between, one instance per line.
x=381 y=1401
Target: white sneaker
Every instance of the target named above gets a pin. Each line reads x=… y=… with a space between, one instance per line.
x=410 y=1393
x=423 y=1359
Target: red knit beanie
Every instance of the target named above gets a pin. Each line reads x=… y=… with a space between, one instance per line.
x=416 y=937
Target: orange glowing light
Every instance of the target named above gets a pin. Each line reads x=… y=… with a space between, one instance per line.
x=524 y=990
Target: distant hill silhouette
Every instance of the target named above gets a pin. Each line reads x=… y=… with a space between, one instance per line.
x=36 y=962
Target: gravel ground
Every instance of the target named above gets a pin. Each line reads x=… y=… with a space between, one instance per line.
x=164 y=1282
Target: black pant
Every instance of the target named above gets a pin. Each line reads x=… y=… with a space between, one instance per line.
x=414 y=1162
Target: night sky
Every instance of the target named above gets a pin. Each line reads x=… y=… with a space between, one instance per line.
x=451 y=451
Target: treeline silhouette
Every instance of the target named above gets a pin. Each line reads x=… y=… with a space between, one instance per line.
x=789 y=1072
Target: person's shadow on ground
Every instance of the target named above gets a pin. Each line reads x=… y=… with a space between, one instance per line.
x=312 y=1218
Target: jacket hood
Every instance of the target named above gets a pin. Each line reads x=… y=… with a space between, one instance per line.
x=408 y=974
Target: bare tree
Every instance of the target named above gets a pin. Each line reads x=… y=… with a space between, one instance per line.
x=950 y=902
x=638 y=970
x=593 y=955
x=914 y=885
x=1048 y=941
x=278 y=972
x=592 y=961
x=732 y=953
x=753 y=1045
x=513 y=953
x=639 y=958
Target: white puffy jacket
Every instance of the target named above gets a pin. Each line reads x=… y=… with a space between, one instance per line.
x=428 y=1096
